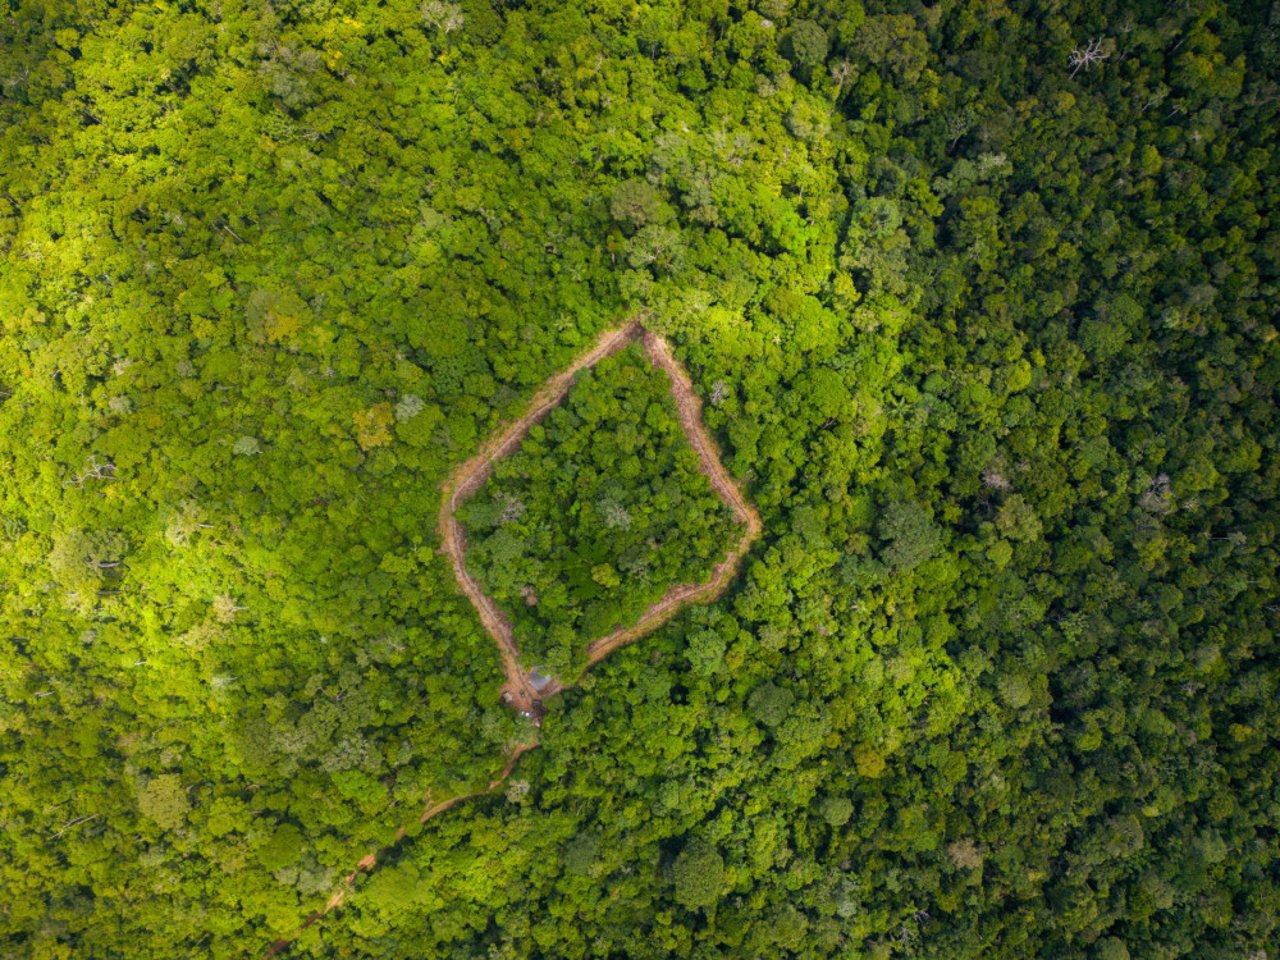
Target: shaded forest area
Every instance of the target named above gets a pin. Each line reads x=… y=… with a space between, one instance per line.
x=980 y=297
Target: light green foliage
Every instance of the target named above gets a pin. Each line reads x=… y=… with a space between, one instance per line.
x=163 y=799
x=280 y=847
x=699 y=874
x=837 y=810
x=1017 y=519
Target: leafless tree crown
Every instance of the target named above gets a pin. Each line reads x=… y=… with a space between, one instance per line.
x=1087 y=56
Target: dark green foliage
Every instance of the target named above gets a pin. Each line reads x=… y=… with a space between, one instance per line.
x=770 y=704
x=581 y=854
x=809 y=45
x=636 y=203
x=910 y=536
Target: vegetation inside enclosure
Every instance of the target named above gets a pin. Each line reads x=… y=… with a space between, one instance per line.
x=980 y=300
x=601 y=509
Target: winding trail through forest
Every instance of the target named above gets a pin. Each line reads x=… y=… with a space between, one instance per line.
x=369 y=861
x=518 y=690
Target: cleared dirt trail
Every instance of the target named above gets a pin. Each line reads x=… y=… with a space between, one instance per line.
x=518 y=690
x=469 y=476
x=370 y=861
x=689 y=410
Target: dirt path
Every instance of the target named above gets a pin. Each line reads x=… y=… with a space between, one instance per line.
x=469 y=476
x=689 y=410
x=518 y=690
x=370 y=861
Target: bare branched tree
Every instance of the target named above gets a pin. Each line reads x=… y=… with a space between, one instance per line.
x=841 y=73
x=959 y=122
x=1086 y=56
x=93 y=470
x=512 y=511
x=992 y=478
x=445 y=17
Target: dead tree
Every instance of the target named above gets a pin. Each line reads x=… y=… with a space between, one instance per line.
x=1087 y=56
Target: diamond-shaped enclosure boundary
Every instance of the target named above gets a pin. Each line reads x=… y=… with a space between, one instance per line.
x=520 y=690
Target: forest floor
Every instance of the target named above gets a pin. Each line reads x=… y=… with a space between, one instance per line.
x=518 y=690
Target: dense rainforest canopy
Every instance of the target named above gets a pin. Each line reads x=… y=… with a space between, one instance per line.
x=980 y=297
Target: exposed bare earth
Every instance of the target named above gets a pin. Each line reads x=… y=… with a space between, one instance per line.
x=689 y=410
x=468 y=477
x=518 y=690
